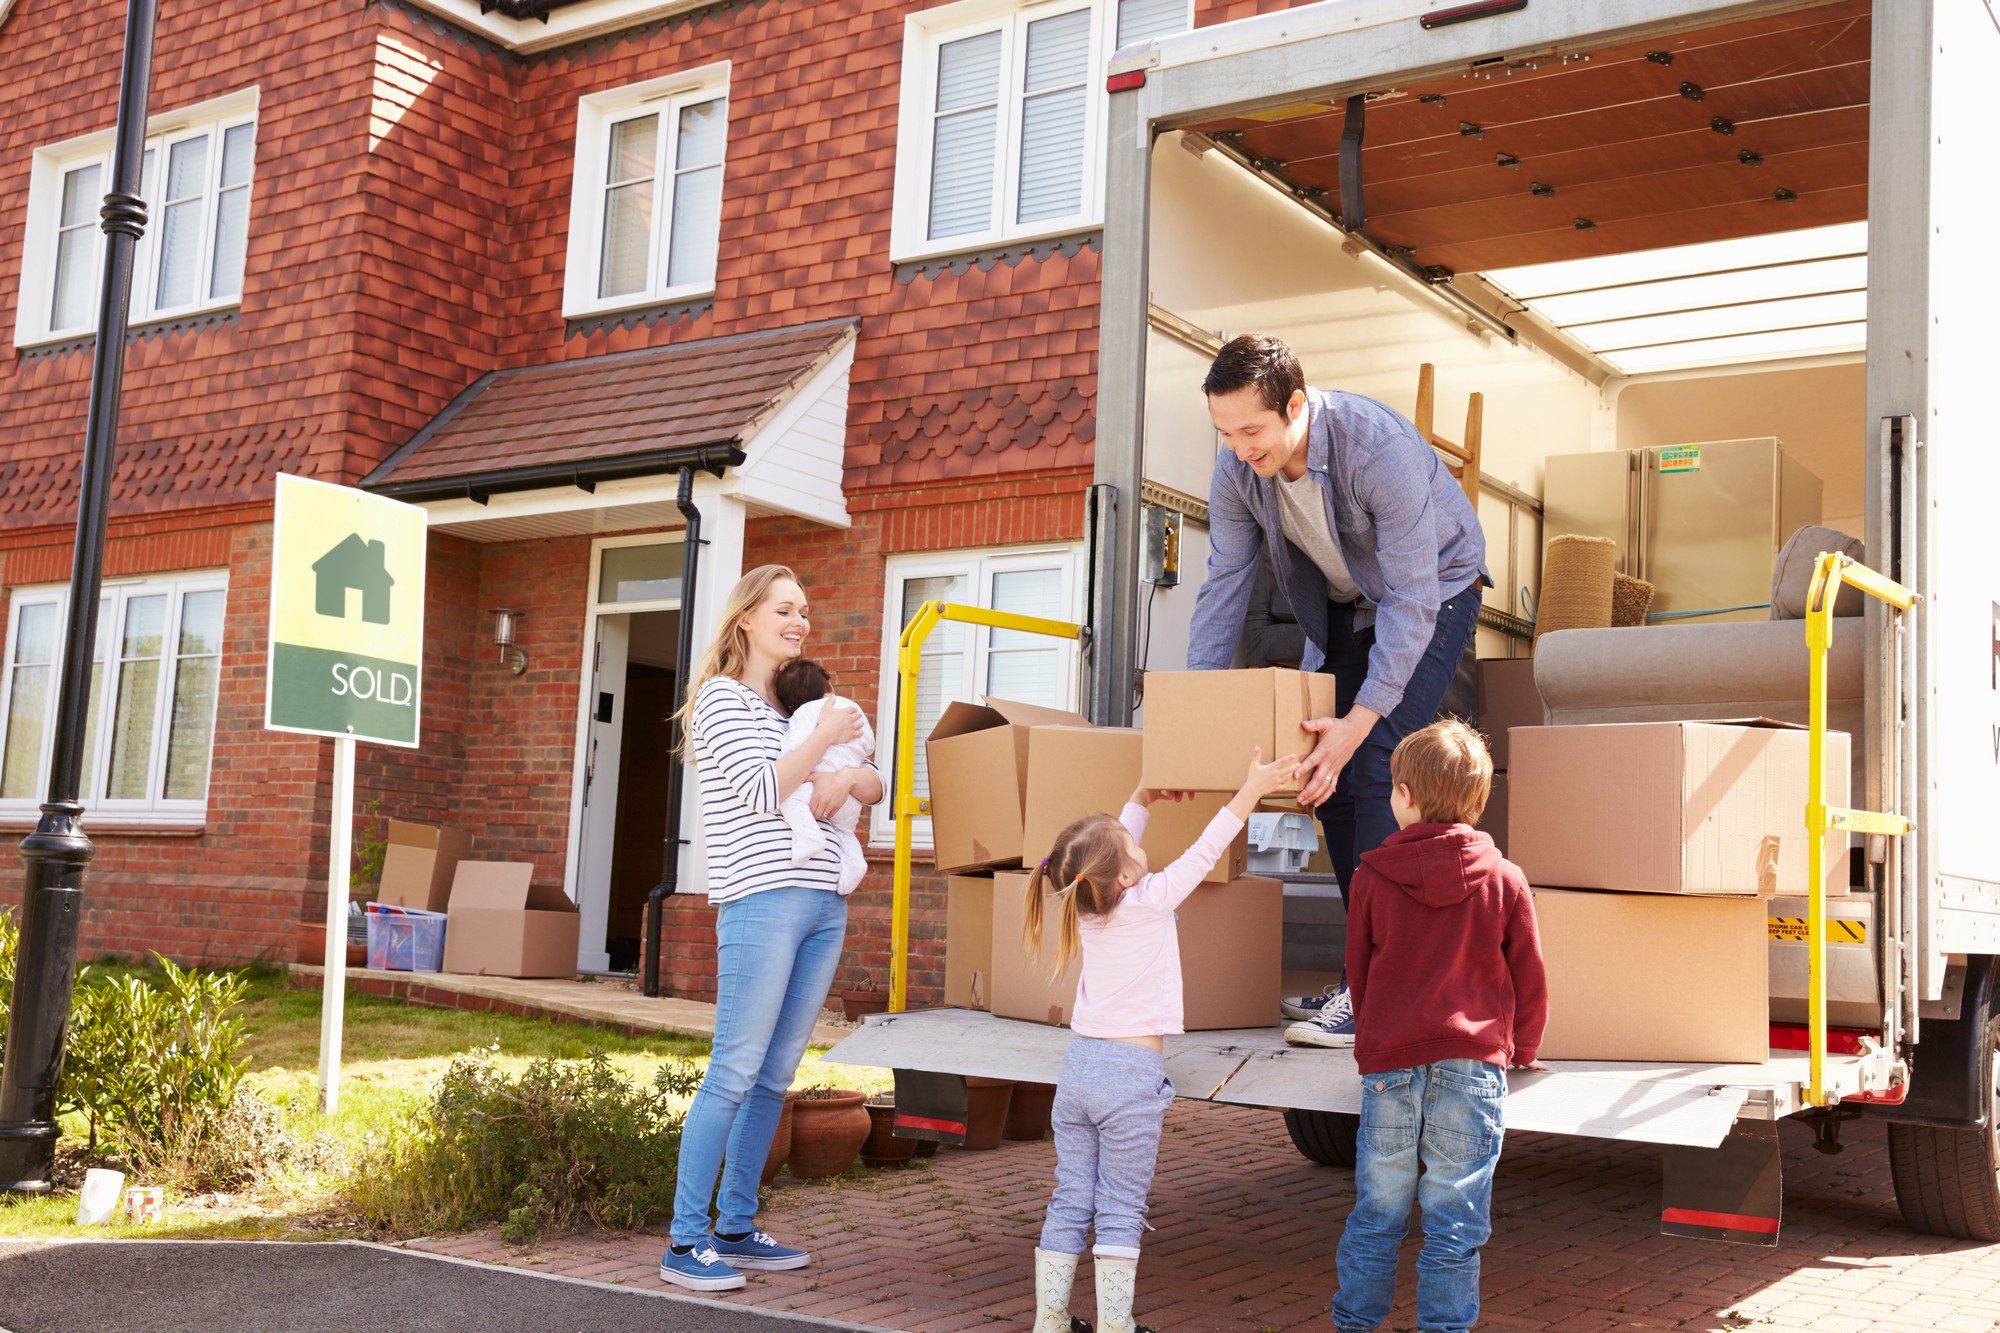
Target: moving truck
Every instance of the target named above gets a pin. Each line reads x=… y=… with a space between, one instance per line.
x=1627 y=224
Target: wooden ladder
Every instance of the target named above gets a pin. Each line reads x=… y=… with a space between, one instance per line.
x=1463 y=459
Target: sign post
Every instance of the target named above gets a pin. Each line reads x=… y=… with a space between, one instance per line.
x=345 y=660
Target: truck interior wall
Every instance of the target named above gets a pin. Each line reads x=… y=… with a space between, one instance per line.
x=1230 y=256
x=1818 y=412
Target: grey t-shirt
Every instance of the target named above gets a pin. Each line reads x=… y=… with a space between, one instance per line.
x=1302 y=509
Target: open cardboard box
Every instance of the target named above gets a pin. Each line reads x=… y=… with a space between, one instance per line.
x=503 y=924
x=1202 y=725
x=418 y=864
x=1080 y=770
x=1671 y=807
x=978 y=759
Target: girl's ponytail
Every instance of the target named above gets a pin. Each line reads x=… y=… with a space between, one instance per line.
x=1085 y=863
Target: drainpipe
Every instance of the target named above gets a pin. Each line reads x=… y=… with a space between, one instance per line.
x=670 y=862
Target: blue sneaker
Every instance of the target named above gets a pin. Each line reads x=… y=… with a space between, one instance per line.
x=1301 y=1007
x=1332 y=1026
x=759 y=1251
x=700 y=1269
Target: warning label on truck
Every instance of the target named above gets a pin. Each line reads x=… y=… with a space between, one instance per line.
x=1681 y=458
x=1793 y=928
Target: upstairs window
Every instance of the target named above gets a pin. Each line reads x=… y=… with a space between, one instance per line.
x=197 y=183
x=1002 y=118
x=646 y=204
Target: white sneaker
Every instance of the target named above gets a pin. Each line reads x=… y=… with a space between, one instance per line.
x=1332 y=1026
x=1301 y=1007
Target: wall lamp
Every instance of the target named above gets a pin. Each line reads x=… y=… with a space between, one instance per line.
x=505 y=621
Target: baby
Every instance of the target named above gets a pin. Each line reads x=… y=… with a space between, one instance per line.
x=804 y=689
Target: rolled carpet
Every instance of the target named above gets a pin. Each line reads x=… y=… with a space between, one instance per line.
x=1577 y=575
x=1631 y=599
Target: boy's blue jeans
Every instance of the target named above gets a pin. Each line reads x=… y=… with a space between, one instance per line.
x=775 y=956
x=1446 y=1117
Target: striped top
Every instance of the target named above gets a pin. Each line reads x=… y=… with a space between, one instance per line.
x=737 y=739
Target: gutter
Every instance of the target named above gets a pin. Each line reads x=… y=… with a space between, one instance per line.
x=712 y=457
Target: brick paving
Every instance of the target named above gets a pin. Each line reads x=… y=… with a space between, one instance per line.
x=1246 y=1232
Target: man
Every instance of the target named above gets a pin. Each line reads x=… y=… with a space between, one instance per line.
x=1383 y=560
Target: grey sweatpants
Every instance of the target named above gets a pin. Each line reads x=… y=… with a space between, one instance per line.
x=1110 y=1101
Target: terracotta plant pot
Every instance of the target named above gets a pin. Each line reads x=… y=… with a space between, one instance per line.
x=883 y=1148
x=781 y=1143
x=858 y=1004
x=986 y=1102
x=829 y=1126
x=309 y=944
x=1028 y=1112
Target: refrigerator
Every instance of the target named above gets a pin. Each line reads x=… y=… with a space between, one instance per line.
x=1701 y=522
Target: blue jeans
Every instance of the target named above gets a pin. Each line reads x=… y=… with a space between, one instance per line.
x=775 y=955
x=1357 y=816
x=1446 y=1118
x=1110 y=1101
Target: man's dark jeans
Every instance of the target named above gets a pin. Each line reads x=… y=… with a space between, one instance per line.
x=1357 y=817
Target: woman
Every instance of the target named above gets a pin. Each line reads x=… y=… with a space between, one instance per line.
x=779 y=927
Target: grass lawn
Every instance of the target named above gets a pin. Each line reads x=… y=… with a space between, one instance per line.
x=392 y=1053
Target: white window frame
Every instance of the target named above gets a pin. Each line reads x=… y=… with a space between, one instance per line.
x=978 y=567
x=35 y=297
x=151 y=810
x=923 y=35
x=596 y=113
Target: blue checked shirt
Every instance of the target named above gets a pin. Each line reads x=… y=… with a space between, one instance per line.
x=1410 y=538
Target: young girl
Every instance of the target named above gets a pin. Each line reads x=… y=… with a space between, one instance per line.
x=1114 y=1090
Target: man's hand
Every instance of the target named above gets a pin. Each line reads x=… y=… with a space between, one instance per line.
x=830 y=791
x=1339 y=738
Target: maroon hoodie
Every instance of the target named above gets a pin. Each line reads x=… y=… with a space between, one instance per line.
x=1443 y=956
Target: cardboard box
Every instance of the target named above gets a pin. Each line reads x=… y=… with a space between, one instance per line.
x=1231 y=941
x=1637 y=976
x=1507 y=698
x=1670 y=807
x=978 y=760
x=418 y=865
x=968 y=941
x=1232 y=954
x=1202 y=725
x=1494 y=818
x=1022 y=987
x=502 y=924
x=1075 y=771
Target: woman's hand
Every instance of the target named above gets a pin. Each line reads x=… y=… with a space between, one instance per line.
x=830 y=791
x=840 y=721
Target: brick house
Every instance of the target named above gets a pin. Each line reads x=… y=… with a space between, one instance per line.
x=523 y=263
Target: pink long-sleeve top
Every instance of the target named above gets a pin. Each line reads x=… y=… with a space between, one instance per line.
x=1131 y=979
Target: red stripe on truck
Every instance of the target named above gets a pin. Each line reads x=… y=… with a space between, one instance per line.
x=1694 y=1217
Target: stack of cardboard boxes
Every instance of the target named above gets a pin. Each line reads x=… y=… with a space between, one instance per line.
x=1507 y=699
x=498 y=922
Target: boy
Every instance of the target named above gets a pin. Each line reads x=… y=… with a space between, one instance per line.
x=1446 y=970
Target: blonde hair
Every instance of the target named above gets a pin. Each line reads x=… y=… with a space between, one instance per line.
x=729 y=653
x=1084 y=867
x=1447 y=770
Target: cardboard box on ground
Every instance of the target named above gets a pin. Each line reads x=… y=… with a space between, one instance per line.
x=503 y=924
x=1231 y=944
x=1671 y=807
x=418 y=863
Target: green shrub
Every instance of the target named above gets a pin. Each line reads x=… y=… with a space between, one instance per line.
x=567 y=1144
x=10 y=943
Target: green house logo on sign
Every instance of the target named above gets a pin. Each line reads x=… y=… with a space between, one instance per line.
x=347 y=613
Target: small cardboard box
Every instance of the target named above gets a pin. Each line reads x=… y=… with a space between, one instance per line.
x=1494 y=819
x=1233 y=954
x=979 y=781
x=1022 y=987
x=502 y=924
x=1202 y=725
x=1670 y=807
x=1507 y=698
x=968 y=941
x=418 y=864
x=1075 y=771
x=1636 y=976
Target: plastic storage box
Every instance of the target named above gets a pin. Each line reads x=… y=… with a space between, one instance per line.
x=405 y=939
x=1281 y=844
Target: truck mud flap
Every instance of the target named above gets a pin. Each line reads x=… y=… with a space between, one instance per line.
x=930 y=1106
x=1729 y=1193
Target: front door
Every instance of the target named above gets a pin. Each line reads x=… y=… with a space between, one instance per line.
x=604 y=704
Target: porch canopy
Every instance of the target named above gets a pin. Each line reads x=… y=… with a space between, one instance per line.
x=596 y=444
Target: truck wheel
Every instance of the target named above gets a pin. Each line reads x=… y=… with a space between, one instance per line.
x=1325 y=1137
x=1948 y=1180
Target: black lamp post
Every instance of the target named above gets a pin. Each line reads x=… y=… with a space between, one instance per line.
x=57 y=851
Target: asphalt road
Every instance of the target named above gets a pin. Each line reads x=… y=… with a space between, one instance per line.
x=197 y=1286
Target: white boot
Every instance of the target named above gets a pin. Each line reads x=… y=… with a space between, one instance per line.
x=1117 y=1280
x=1053 y=1275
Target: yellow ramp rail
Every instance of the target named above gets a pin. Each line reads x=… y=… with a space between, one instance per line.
x=907 y=808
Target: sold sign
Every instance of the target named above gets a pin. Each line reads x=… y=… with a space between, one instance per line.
x=347 y=613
